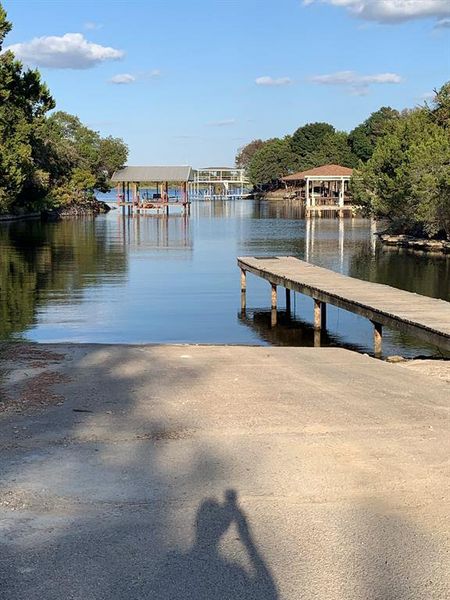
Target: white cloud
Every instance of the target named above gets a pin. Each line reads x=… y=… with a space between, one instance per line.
x=222 y=123
x=356 y=84
x=123 y=79
x=391 y=11
x=126 y=78
x=69 y=51
x=272 y=81
x=91 y=25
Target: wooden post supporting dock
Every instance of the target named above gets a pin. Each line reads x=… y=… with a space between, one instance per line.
x=320 y=315
x=273 y=314
x=377 y=339
x=243 y=289
x=274 y=296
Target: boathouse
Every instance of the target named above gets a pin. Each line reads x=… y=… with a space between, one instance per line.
x=214 y=183
x=152 y=187
x=324 y=188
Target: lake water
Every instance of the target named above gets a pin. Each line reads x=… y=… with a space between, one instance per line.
x=150 y=279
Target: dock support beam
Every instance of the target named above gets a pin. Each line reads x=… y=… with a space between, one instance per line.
x=320 y=315
x=243 y=289
x=274 y=296
x=377 y=339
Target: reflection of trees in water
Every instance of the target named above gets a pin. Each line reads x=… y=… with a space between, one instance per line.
x=276 y=209
x=423 y=274
x=38 y=259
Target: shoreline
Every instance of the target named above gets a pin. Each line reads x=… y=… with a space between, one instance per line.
x=413 y=243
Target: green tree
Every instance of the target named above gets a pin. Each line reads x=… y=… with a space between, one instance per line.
x=334 y=149
x=273 y=160
x=80 y=147
x=364 y=137
x=45 y=160
x=440 y=111
x=24 y=100
x=407 y=179
x=308 y=139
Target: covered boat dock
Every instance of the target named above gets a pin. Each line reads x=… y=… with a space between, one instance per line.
x=152 y=188
x=324 y=189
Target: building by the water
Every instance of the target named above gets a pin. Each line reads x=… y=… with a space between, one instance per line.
x=211 y=183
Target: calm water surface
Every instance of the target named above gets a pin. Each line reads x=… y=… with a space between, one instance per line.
x=167 y=280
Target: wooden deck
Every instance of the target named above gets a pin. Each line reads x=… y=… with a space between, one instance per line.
x=420 y=316
x=158 y=205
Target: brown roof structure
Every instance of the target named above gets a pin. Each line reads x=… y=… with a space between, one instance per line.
x=324 y=171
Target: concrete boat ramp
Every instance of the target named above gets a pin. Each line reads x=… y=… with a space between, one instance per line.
x=203 y=473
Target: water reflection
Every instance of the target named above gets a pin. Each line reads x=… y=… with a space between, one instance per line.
x=158 y=231
x=159 y=279
x=290 y=330
x=52 y=263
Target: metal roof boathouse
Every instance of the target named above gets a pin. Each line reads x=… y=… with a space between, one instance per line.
x=143 y=188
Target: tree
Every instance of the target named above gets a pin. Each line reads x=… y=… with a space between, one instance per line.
x=334 y=149
x=440 y=111
x=24 y=100
x=83 y=148
x=245 y=153
x=41 y=157
x=308 y=139
x=273 y=160
x=407 y=179
x=364 y=137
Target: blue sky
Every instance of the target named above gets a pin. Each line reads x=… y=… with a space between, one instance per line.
x=201 y=78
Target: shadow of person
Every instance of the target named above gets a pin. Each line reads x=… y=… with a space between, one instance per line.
x=203 y=573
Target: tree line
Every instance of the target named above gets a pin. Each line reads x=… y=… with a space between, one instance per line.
x=47 y=159
x=401 y=162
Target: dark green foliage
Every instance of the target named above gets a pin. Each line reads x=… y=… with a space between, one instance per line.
x=364 y=137
x=308 y=139
x=334 y=149
x=39 y=155
x=440 y=110
x=407 y=179
x=273 y=160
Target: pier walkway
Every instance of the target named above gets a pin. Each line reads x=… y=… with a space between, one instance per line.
x=420 y=316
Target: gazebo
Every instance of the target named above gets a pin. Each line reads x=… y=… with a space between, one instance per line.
x=325 y=186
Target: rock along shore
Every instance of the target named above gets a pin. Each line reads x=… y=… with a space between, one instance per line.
x=413 y=243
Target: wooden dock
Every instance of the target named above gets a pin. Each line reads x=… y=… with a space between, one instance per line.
x=420 y=316
x=154 y=205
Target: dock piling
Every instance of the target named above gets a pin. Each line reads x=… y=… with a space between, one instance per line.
x=320 y=315
x=377 y=339
x=274 y=296
x=243 y=289
x=273 y=317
